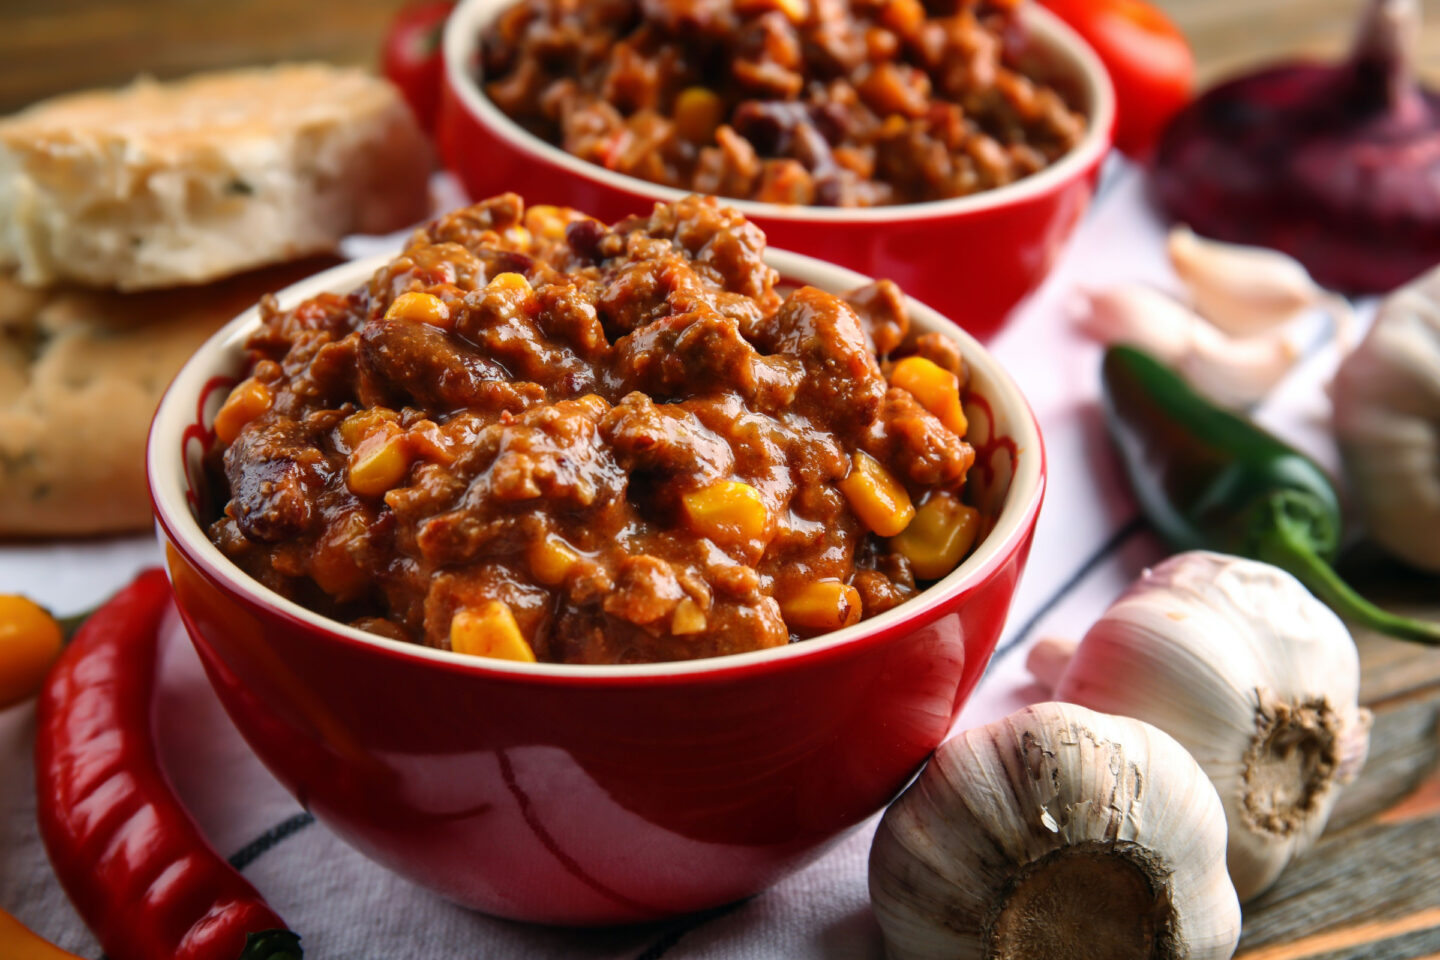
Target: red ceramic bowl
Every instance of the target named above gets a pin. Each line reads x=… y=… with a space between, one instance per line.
x=974 y=258
x=592 y=794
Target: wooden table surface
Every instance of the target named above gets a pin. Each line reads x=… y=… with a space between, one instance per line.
x=1372 y=889
x=48 y=46
x=1230 y=34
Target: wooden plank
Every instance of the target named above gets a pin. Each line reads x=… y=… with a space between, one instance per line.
x=1371 y=888
x=51 y=46
x=1229 y=35
x=1361 y=887
x=1420 y=927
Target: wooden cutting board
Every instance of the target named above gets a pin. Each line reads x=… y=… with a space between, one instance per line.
x=1371 y=889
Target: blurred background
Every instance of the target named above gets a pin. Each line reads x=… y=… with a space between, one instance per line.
x=48 y=46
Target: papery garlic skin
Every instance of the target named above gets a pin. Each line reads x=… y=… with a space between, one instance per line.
x=1053 y=823
x=1232 y=372
x=1387 y=418
x=1257 y=678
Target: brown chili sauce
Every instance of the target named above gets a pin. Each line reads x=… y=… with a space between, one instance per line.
x=823 y=102
x=533 y=434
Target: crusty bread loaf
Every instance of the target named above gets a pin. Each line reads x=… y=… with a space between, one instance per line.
x=161 y=184
x=80 y=375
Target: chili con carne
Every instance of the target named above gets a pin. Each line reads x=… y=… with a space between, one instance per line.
x=837 y=103
x=535 y=436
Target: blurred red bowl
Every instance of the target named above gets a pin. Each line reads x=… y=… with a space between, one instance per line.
x=973 y=258
x=592 y=794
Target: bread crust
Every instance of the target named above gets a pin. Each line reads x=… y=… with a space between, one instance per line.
x=80 y=375
x=162 y=184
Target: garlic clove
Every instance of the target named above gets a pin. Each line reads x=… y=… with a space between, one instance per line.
x=1048 y=658
x=1237 y=373
x=1053 y=828
x=1254 y=676
x=1387 y=419
x=1140 y=316
x=1231 y=372
x=1242 y=290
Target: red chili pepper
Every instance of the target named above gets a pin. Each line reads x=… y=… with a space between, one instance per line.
x=412 y=59
x=133 y=862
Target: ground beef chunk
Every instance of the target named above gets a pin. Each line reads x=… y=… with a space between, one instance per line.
x=600 y=444
x=842 y=379
x=276 y=475
x=831 y=102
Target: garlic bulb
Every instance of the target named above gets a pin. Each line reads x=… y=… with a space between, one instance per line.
x=1387 y=419
x=1056 y=833
x=1232 y=372
x=1247 y=291
x=1254 y=676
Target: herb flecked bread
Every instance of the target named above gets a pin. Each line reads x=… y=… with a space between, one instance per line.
x=80 y=375
x=161 y=184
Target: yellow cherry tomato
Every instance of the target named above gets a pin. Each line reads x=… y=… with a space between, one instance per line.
x=18 y=942
x=30 y=640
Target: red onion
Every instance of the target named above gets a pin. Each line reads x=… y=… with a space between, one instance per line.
x=1337 y=165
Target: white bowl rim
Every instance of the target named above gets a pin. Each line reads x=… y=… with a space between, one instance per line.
x=165 y=466
x=462 y=34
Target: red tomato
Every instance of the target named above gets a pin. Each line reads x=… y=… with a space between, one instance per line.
x=413 y=60
x=1148 y=59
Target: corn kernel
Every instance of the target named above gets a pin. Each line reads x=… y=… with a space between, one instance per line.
x=687 y=618
x=549 y=222
x=518 y=236
x=905 y=17
x=551 y=559
x=418 y=307
x=379 y=463
x=246 y=402
x=699 y=112
x=880 y=44
x=514 y=282
x=878 y=499
x=822 y=605
x=728 y=511
x=943 y=531
x=893 y=126
x=361 y=424
x=795 y=10
x=489 y=630
x=934 y=388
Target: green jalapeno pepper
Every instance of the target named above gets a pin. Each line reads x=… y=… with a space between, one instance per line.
x=1210 y=480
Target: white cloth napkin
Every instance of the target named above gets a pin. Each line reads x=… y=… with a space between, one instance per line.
x=1090 y=543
